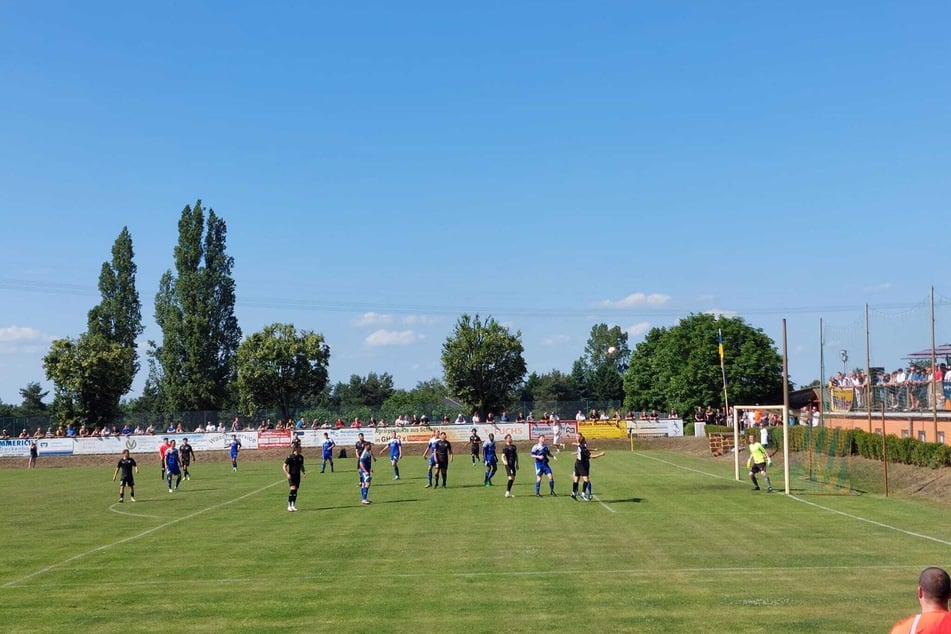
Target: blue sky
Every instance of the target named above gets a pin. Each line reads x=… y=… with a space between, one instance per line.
x=383 y=167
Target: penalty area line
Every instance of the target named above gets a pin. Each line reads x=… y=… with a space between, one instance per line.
x=98 y=549
x=872 y=522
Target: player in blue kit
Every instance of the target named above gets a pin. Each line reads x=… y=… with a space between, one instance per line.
x=173 y=465
x=490 y=459
x=234 y=448
x=541 y=453
x=395 y=445
x=431 y=454
x=328 y=453
x=365 y=466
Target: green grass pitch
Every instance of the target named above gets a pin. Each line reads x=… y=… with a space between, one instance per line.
x=672 y=543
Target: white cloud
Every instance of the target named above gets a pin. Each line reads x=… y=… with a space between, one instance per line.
x=18 y=333
x=716 y=312
x=638 y=329
x=636 y=299
x=23 y=340
x=556 y=340
x=421 y=320
x=392 y=338
x=879 y=288
x=372 y=319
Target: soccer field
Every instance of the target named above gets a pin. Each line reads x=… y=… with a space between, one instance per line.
x=672 y=543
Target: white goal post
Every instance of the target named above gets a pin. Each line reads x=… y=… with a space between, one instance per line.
x=783 y=412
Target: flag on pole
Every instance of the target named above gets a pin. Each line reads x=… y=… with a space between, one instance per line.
x=720 y=343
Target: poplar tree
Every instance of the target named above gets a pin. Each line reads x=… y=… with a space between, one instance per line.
x=194 y=366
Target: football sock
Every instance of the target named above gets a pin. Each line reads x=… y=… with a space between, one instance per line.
x=396 y=471
x=755 y=483
x=363 y=493
x=574 y=488
x=508 y=487
x=538 y=487
x=551 y=485
x=588 y=487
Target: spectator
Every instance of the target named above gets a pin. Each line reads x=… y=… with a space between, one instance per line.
x=460 y=419
x=934 y=590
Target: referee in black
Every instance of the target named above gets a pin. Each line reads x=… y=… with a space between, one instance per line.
x=294 y=470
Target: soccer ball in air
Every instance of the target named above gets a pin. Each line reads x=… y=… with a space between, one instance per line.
x=612 y=350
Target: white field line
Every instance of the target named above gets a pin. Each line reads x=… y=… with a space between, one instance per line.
x=14 y=582
x=814 y=505
x=632 y=572
x=598 y=500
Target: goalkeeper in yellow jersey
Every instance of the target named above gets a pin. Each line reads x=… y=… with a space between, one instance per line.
x=757 y=463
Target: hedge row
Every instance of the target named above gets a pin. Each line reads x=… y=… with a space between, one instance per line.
x=856 y=442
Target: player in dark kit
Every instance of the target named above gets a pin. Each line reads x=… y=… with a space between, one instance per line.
x=126 y=465
x=475 y=445
x=583 y=458
x=358 y=446
x=187 y=455
x=510 y=460
x=294 y=470
x=443 y=452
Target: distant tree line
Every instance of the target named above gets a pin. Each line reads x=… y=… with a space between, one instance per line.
x=202 y=362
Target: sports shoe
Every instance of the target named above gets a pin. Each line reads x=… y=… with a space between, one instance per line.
x=188 y=477
x=121 y=500
x=489 y=483
x=538 y=495
x=132 y=499
x=234 y=468
x=574 y=496
x=585 y=497
x=508 y=494
x=365 y=502
x=396 y=478
x=553 y=494
x=290 y=508
x=769 y=490
x=169 y=489
x=756 y=488
x=428 y=486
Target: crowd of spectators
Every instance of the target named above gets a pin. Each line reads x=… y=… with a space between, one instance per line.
x=916 y=387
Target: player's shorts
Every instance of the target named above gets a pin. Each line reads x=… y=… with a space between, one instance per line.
x=234 y=456
x=432 y=460
x=442 y=463
x=294 y=480
x=394 y=457
x=492 y=462
x=582 y=468
x=130 y=481
x=365 y=477
x=328 y=455
x=175 y=471
x=759 y=467
x=476 y=452
x=542 y=469
x=510 y=470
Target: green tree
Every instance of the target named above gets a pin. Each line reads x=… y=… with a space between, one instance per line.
x=604 y=362
x=483 y=363
x=679 y=367
x=87 y=373
x=118 y=316
x=281 y=367
x=33 y=404
x=194 y=366
x=549 y=388
x=370 y=391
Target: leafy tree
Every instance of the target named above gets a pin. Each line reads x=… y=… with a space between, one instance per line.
x=371 y=391
x=281 y=367
x=7 y=410
x=87 y=373
x=483 y=363
x=194 y=307
x=33 y=404
x=549 y=388
x=679 y=367
x=604 y=362
x=428 y=397
x=118 y=317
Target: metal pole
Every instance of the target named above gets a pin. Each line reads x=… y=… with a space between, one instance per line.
x=785 y=409
x=934 y=384
x=822 y=378
x=867 y=388
x=884 y=450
